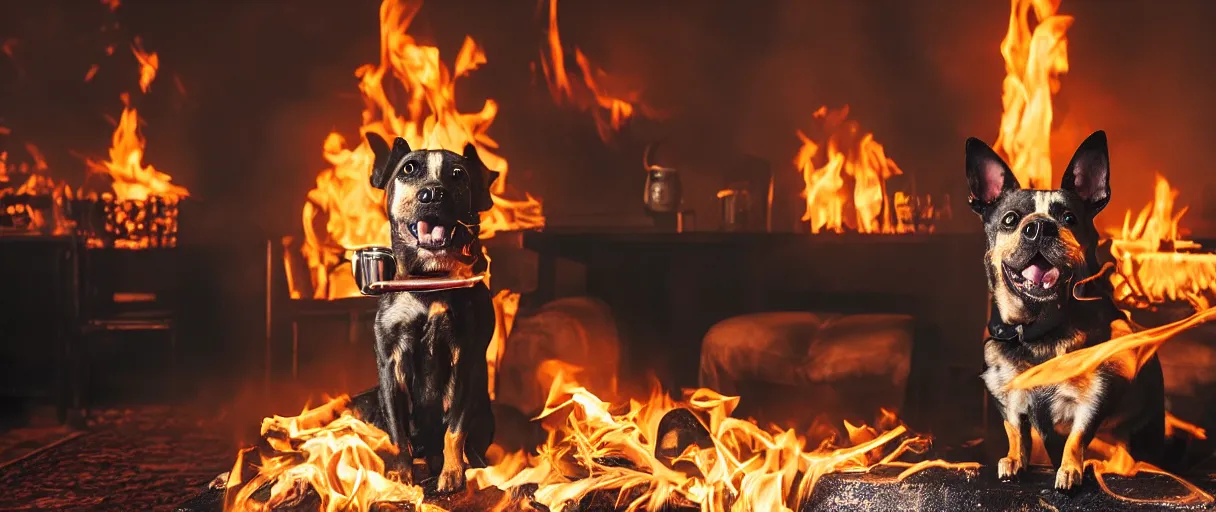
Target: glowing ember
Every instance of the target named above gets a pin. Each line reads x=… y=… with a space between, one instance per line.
x=1034 y=61
x=609 y=111
x=590 y=449
x=327 y=449
x=1148 y=268
x=853 y=154
x=132 y=180
x=343 y=211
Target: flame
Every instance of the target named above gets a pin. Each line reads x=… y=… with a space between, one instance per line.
x=343 y=202
x=1130 y=349
x=1173 y=424
x=33 y=180
x=590 y=449
x=1034 y=61
x=1114 y=459
x=1149 y=270
x=610 y=112
x=506 y=303
x=148 y=64
x=328 y=449
x=133 y=180
x=853 y=154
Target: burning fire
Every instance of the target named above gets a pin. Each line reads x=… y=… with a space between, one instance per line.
x=148 y=64
x=590 y=449
x=132 y=180
x=858 y=156
x=1150 y=268
x=327 y=449
x=1034 y=61
x=610 y=112
x=343 y=212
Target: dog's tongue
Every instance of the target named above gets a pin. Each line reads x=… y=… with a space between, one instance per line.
x=1042 y=274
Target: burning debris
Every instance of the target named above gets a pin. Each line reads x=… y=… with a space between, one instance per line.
x=651 y=454
x=1154 y=264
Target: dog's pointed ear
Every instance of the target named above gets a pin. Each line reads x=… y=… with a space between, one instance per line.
x=482 y=179
x=1088 y=174
x=988 y=176
x=383 y=165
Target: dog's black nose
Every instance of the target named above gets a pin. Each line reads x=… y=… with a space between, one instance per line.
x=1039 y=228
x=428 y=195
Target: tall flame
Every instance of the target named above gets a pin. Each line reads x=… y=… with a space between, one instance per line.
x=849 y=153
x=352 y=212
x=1034 y=61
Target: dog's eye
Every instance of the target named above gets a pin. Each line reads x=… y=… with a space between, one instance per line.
x=457 y=173
x=1070 y=218
x=1010 y=219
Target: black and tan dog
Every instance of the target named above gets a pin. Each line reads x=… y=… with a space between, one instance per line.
x=1047 y=300
x=430 y=347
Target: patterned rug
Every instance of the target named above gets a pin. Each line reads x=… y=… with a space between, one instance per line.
x=148 y=459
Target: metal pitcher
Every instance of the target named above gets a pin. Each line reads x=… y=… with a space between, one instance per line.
x=664 y=192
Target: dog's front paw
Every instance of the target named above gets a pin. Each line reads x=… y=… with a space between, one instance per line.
x=451 y=479
x=1008 y=467
x=1068 y=477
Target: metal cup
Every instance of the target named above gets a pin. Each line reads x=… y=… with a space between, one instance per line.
x=373 y=265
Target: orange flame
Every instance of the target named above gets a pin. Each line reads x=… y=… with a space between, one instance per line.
x=853 y=154
x=746 y=467
x=610 y=112
x=1149 y=271
x=148 y=64
x=328 y=449
x=345 y=204
x=1117 y=461
x=1034 y=61
x=132 y=179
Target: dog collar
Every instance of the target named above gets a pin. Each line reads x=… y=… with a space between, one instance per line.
x=1022 y=333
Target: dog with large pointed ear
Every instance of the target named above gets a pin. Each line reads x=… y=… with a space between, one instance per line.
x=1041 y=249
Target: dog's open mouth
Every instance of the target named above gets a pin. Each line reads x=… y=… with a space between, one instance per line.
x=1038 y=277
x=433 y=235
